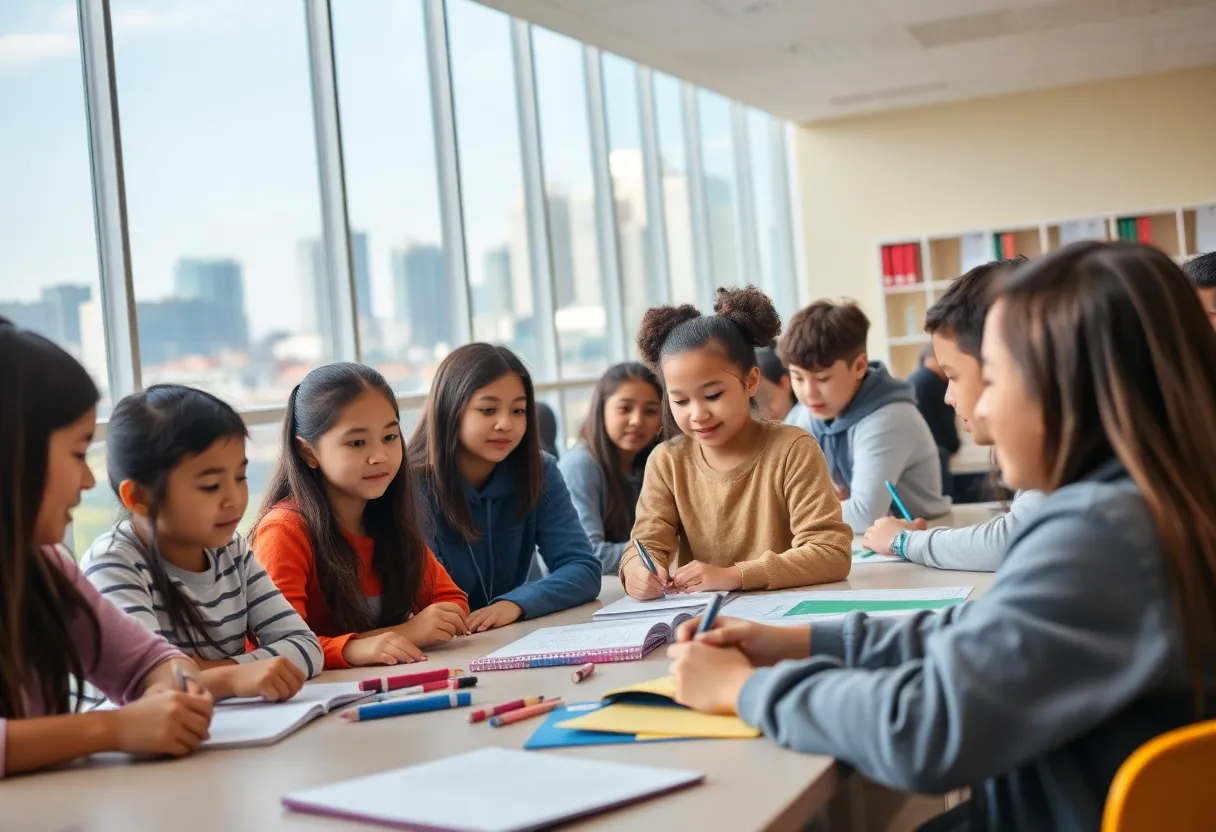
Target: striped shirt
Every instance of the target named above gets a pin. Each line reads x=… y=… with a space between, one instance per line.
x=234 y=597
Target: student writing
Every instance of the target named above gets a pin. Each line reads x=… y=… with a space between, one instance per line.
x=604 y=470
x=339 y=531
x=57 y=629
x=176 y=461
x=1095 y=636
x=956 y=324
x=733 y=502
x=865 y=420
x=494 y=498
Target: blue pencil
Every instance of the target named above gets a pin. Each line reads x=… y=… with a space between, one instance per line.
x=899 y=504
x=711 y=613
x=401 y=707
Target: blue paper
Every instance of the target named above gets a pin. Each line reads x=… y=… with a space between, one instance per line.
x=548 y=735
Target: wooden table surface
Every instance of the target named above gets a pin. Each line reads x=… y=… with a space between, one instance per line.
x=750 y=784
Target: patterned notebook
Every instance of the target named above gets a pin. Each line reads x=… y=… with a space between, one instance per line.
x=597 y=641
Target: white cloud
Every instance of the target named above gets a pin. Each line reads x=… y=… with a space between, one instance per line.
x=143 y=21
x=18 y=51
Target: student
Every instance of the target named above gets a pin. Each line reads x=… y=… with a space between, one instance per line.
x=736 y=501
x=58 y=631
x=929 y=384
x=1202 y=272
x=956 y=325
x=604 y=471
x=176 y=460
x=339 y=531
x=775 y=396
x=493 y=496
x=1100 y=390
x=865 y=420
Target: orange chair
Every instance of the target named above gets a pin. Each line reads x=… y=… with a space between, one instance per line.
x=1166 y=784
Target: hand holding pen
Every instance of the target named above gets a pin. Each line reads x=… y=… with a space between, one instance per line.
x=644 y=579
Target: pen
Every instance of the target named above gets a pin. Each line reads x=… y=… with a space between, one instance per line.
x=482 y=714
x=711 y=612
x=428 y=687
x=401 y=707
x=181 y=678
x=647 y=561
x=408 y=680
x=899 y=504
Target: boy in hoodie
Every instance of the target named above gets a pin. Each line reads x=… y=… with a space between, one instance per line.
x=866 y=421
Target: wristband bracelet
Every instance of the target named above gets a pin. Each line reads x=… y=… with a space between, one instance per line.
x=900 y=544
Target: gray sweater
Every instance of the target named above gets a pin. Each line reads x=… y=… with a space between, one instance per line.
x=892 y=443
x=1033 y=694
x=976 y=548
x=587 y=491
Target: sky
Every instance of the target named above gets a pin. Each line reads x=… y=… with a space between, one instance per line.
x=219 y=149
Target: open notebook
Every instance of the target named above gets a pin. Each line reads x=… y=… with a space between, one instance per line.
x=691 y=603
x=597 y=641
x=245 y=723
x=516 y=792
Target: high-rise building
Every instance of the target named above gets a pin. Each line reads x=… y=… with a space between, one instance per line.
x=497 y=290
x=219 y=283
x=420 y=294
x=312 y=268
x=56 y=315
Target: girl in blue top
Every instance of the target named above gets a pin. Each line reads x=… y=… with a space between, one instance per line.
x=494 y=496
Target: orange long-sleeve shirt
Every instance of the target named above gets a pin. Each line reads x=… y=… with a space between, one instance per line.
x=282 y=546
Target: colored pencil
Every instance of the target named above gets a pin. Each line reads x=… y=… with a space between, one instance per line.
x=482 y=714
x=408 y=680
x=450 y=684
x=899 y=504
x=520 y=714
x=401 y=707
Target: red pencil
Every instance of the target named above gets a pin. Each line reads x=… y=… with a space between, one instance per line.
x=526 y=713
x=447 y=684
x=482 y=714
x=408 y=680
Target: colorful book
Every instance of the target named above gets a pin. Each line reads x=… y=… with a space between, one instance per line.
x=598 y=641
x=888 y=274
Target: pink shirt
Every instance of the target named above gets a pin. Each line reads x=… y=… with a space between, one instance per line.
x=127 y=650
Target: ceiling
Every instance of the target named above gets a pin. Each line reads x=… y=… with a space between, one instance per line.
x=812 y=60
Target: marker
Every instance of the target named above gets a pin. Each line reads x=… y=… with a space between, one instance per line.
x=582 y=673
x=450 y=684
x=407 y=680
x=482 y=714
x=899 y=504
x=647 y=561
x=711 y=612
x=401 y=707
x=520 y=714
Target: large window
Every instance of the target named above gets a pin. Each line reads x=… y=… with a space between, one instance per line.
x=491 y=175
x=677 y=205
x=222 y=192
x=574 y=253
x=48 y=253
x=721 y=189
x=772 y=229
x=405 y=303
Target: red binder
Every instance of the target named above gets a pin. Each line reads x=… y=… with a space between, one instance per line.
x=1008 y=247
x=1144 y=230
x=888 y=275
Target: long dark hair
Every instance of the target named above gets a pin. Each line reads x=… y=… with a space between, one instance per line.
x=743 y=319
x=148 y=435
x=391 y=520
x=435 y=446
x=619 y=508
x=43 y=389
x=1121 y=358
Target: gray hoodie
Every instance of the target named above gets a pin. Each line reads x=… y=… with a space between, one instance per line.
x=1032 y=695
x=977 y=548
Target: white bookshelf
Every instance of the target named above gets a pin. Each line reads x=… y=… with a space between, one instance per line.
x=1182 y=232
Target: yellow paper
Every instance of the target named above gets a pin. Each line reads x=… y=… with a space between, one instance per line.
x=665 y=686
x=664 y=721
x=657 y=737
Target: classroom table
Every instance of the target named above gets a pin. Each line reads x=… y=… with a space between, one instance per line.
x=750 y=784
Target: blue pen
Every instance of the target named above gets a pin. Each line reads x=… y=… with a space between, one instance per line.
x=401 y=707
x=645 y=556
x=711 y=613
x=899 y=504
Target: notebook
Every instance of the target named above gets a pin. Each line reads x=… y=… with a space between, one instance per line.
x=597 y=641
x=691 y=603
x=549 y=734
x=246 y=723
x=649 y=709
x=516 y=791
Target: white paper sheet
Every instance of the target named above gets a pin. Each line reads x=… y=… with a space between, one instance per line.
x=781 y=607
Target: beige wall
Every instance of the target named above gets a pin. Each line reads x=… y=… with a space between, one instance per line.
x=1073 y=152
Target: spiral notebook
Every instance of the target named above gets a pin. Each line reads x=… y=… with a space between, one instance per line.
x=597 y=641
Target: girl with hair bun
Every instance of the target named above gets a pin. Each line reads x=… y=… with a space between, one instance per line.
x=732 y=501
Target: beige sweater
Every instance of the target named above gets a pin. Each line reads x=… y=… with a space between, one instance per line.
x=776 y=516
